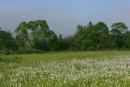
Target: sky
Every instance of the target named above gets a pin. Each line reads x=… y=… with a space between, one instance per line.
x=63 y=16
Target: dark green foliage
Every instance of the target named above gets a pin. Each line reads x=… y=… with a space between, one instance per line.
x=119 y=28
x=35 y=36
x=118 y=31
x=69 y=43
x=103 y=37
x=98 y=37
x=93 y=37
x=7 y=42
x=126 y=40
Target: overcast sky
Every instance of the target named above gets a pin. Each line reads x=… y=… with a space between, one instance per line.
x=63 y=15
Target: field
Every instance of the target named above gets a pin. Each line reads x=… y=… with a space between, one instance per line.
x=66 y=69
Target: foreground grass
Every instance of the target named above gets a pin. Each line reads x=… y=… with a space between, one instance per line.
x=66 y=69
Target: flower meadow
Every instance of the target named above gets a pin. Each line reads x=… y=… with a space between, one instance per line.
x=111 y=71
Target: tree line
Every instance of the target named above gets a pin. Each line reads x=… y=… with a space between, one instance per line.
x=36 y=36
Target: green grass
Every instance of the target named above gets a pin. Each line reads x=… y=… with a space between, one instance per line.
x=54 y=56
x=66 y=69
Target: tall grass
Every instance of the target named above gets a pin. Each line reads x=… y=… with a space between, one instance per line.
x=66 y=69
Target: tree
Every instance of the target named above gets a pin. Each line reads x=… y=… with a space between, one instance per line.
x=60 y=42
x=36 y=35
x=126 y=40
x=40 y=34
x=101 y=27
x=81 y=37
x=42 y=37
x=68 y=43
x=7 y=41
x=88 y=43
x=117 y=32
x=103 y=37
x=92 y=37
x=23 y=34
x=118 y=28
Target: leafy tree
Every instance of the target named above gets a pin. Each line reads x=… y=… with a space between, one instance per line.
x=36 y=35
x=81 y=37
x=43 y=38
x=60 y=43
x=92 y=37
x=126 y=40
x=117 y=32
x=101 y=27
x=68 y=43
x=7 y=41
x=118 y=28
x=40 y=34
x=23 y=34
x=103 y=37
x=88 y=43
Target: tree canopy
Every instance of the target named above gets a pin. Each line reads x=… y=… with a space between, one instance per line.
x=36 y=36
